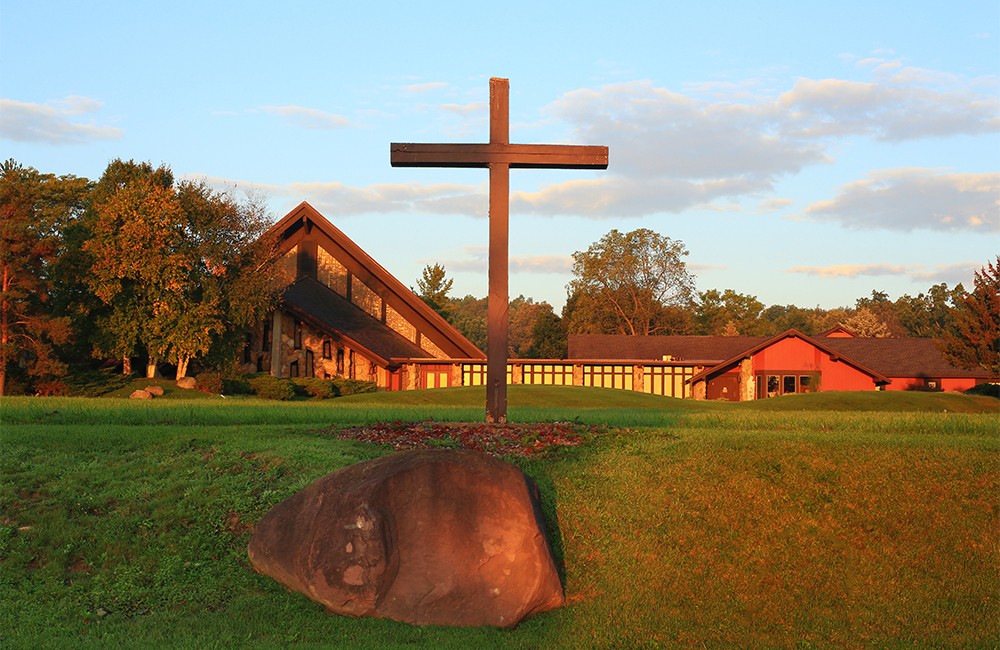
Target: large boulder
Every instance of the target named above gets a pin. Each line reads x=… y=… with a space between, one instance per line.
x=140 y=394
x=187 y=382
x=437 y=537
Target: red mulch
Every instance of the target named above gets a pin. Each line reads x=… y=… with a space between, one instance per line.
x=494 y=439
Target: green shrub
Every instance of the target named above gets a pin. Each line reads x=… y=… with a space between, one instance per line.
x=986 y=388
x=210 y=382
x=236 y=385
x=354 y=386
x=316 y=387
x=268 y=387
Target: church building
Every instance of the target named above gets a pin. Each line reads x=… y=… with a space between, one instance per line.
x=342 y=315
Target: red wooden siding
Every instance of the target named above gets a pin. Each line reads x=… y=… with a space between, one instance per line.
x=793 y=356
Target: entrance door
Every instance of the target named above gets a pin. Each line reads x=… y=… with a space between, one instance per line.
x=725 y=387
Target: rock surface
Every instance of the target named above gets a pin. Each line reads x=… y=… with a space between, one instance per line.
x=187 y=382
x=425 y=537
x=140 y=394
x=155 y=391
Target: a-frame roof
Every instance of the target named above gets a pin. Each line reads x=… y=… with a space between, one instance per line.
x=305 y=222
x=835 y=355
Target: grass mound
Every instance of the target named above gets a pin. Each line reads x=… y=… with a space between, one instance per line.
x=125 y=523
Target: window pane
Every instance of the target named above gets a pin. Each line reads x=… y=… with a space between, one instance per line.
x=788 y=384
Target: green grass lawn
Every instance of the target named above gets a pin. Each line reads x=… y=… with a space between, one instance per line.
x=835 y=520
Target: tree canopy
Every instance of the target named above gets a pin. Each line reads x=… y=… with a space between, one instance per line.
x=977 y=322
x=626 y=283
x=434 y=288
x=183 y=270
x=34 y=209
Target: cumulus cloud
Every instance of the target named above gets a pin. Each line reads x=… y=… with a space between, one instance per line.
x=909 y=198
x=671 y=152
x=892 y=109
x=337 y=199
x=654 y=132
x=53 y=123
x=309 y=118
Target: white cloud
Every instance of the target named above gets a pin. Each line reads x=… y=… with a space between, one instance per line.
x=963 y=272
x=892 y=109
x=425 y=87
x=558 y=264
x=654 y=132
x=475 y=108
x=951 y=274
x=337 y=199
x=854 y=270
x=476 y=260
x=309 y=118
x=671 y=152
x=773 y=205
x=909 y=198
x=51 y=124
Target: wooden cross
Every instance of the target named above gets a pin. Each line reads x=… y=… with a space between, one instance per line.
x=499 y=156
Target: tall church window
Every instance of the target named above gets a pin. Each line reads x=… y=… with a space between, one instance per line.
x=293 y=369
x=310 y=364
x=265 y=345
x=327 y=350
x=298 y=335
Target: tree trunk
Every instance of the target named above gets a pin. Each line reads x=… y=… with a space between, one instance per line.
x=182 y=364
x=126 y=366
x=151 y=369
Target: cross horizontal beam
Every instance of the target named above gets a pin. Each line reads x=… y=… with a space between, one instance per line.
x=518 y=156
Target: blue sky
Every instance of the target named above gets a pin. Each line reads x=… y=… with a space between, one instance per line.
x=805 y=153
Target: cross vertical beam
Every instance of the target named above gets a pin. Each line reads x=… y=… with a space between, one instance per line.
x=497 y=323
x=499 y=156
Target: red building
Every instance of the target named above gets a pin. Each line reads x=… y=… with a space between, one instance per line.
x=745 y=368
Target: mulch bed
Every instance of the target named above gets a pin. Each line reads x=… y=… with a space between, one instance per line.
x=494 y=439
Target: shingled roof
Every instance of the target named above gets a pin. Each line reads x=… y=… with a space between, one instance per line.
x=315 y=303
x=704 y=349
x=900 y=357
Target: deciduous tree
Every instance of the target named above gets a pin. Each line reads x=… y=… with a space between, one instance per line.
x=866 y=324
x=468 y=316
x=34 y=208
x=625 y=283
x=727 y=312
x=548 y=338
x=184 y=270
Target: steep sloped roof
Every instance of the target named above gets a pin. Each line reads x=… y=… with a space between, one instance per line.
x=709 y=349
x=304 y=220
x=319 y=305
